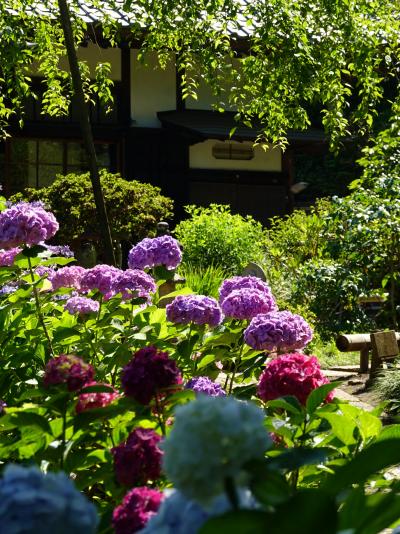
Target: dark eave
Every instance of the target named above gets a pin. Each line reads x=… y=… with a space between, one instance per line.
x=199 y=125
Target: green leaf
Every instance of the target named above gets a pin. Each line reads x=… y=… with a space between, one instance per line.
x=209 y=358
x=318 y=396
x=297 y=457
x=240 y=522
x=289 y=403
x=342 y=427
x=369 y=461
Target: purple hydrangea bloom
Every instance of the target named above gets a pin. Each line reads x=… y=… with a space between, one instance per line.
x=9 y=288
x=278 y=331
x=134 y=283
x=68 y=369
x=76 y=305
x=60 y=250
x=42 y=270
x=102 y=278
x=244 y=282
x=137 y=507
x=196 y=309
x=149 y=253
x=3 y=405
x=149 y=373
x=26 y=224
x=246 y=303
x=67 y=277
x=138 y=459
x=7 y=257
x=203 y=384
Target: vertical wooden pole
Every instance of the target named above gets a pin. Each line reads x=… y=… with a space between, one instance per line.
x=364 y=360
x=86 y=130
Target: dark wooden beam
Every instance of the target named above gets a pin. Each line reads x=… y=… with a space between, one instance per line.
x=125 y=109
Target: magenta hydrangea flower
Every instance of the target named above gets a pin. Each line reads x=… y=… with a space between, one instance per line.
x=67 y=277
x=26 y=224
x=291 y=374
x=81 y=305
x=246 y=303
x=149 y=371
x=134 y=283
x=138 y=459
x=68 y=369
x=137 y=507
x=196 y=309
x=244 y=282
x=278 y=331
x=203 y=384
x=150 y=253
x=101 y=278
x=7 y=257
x=96 y=399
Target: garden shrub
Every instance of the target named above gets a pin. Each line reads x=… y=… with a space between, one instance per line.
x=331 y=292
x=214 y=236
x=133 y=207
x=115 y=392
x=203 y=280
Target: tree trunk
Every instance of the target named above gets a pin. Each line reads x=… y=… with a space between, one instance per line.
x=86 y=132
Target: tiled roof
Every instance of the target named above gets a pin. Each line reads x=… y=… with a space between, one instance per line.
x=93 y=12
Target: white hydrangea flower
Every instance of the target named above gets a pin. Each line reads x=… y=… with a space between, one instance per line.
x=211 y=441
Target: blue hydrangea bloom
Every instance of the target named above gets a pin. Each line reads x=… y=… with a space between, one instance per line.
x=179 y=515
x=32 y=502
x=213 y=439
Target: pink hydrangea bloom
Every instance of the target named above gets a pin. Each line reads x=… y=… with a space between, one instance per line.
x=150 y=253
x=149 y=371
x=67 y=277
x=278 y=331
x=246 y=303
x=196 y=309
x=81 y=305
x=291 y=374
x=88 y=401
x=26 y=224
x=7 y=257
x=68 y=369
x=138 y=506
x=138 y=459
x=244 y=282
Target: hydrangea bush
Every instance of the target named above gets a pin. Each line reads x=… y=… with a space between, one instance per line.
x=127 y=398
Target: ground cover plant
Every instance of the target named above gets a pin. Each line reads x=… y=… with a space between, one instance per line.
x=121 y=415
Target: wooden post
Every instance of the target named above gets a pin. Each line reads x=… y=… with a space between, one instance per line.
x=384 y=346
x=364 y=360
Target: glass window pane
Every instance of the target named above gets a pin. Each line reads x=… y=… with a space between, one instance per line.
x=103 y=155
x=20 y=176
x=23 y=150
x=47 y=174
x=76 y=154
x=51 y=152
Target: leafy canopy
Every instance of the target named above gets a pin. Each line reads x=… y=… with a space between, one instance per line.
x=333 y=55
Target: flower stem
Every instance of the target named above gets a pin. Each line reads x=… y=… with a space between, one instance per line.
x=38 y=308
x=159 y=413
x=235 y=368
x=63 y=436
x=231 y=492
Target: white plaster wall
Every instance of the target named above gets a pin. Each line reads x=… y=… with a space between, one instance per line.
x=92 y=54
x=153 y=89
x=200 y=157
